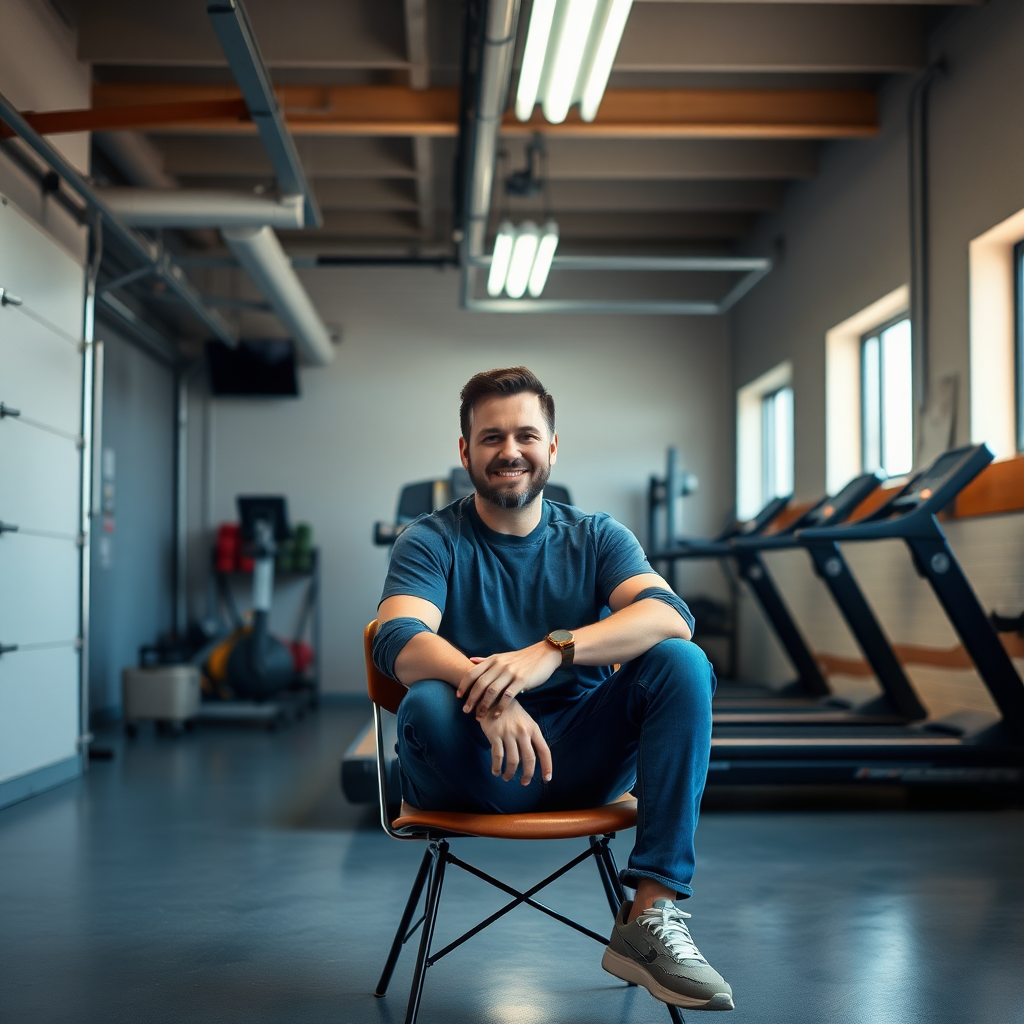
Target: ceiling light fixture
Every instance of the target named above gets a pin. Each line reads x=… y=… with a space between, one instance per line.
x=500 y=259
x=570 y=48
x=522 y=259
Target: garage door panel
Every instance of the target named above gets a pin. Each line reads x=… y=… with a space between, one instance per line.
x=38 y=709
x=40 y=474
x=46 y=277
x=40 y=373
x=40 y=583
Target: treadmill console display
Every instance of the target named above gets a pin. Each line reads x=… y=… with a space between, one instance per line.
x=937 y=478
x=765 y=517
x=839 y=508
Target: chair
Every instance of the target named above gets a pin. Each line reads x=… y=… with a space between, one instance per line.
x=406 y=823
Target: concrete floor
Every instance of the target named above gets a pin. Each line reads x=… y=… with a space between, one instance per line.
x=221 y=877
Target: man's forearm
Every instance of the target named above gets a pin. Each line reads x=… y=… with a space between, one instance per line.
x=428 y=656
x=628 y=633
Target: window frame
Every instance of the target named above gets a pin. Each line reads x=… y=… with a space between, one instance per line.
x=769 y=442
x=876 y=332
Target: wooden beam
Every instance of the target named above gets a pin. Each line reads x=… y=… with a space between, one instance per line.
x=136 y=116
x=625 y=113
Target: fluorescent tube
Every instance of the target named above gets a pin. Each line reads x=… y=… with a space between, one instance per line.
x=601 y=65
x=523 y=252
x=545 y=254
x=500 y=259
x=569 y=49
x=537 y=38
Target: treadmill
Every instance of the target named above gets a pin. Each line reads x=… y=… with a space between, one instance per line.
x=898 y=702
x=810 y=685
x=809 y=697
x=939 y=752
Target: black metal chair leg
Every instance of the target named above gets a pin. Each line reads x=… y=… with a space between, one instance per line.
x=602 y=870
x=439 y=851
x=403 y=927
x=673 y=1012
x=613 y=870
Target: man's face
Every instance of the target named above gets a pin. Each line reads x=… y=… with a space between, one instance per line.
x=510 y=451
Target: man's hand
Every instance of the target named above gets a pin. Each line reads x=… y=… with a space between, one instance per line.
x=493 y=683
x=516 y=738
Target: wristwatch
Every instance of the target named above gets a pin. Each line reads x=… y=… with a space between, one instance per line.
x=565 y=642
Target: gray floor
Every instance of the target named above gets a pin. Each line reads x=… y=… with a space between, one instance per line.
x=221 y=877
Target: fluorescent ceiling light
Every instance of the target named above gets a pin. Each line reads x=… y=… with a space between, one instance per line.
x=596 y=79
x=533 y=57
x=500 y=259
x=523 y=252
x=542 y=263
x=570 y=44
x=570 y=49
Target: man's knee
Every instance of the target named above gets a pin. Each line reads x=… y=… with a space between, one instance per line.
x=430 y=707
x=682 y=664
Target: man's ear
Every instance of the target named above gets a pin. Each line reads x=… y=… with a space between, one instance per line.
x=464 y=453
x=553 y=457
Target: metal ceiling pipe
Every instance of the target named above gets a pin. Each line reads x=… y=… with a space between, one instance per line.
x=169 y=208
x=260 y=255
x=139 y=248
x=136 y=158
x=492 y=98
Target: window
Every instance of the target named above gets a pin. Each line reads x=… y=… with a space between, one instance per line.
x=887 y=399
x=764 y=440
x=777 y=444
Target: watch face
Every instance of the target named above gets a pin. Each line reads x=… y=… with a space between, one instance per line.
x=560 y=636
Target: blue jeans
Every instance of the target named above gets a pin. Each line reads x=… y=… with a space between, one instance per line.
x=647 y=729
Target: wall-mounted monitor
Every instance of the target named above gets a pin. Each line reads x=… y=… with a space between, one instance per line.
x=263 y=368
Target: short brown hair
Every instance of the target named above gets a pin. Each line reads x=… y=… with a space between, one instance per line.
x=510 y=380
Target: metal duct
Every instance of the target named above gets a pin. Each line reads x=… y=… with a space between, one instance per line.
x=260 y=254
x=170 y=208
x=492 y=98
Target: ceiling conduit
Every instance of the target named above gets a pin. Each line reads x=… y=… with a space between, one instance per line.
x=260 y=255
x=167 y=208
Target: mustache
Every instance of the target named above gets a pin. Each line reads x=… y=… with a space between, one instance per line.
x=509 y=464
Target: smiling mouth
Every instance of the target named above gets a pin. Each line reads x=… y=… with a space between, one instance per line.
x=508 y=474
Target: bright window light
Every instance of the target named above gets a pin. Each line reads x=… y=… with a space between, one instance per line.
x=887 y=399
x=523 y=252
x=542 y=263
x=604 y=57
x=530 y=73
x=500 y=259
x=570 y=45
x=777 y=444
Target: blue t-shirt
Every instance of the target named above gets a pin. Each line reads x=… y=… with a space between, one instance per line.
x=498 y=592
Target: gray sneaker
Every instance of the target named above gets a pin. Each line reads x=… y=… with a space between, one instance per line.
x=656 y=951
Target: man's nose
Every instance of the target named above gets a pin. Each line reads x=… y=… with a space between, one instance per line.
x=510 y=450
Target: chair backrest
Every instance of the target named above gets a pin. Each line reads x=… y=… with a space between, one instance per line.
x=384 y=691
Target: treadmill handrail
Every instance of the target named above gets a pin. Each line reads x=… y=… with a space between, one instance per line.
x=888 y=521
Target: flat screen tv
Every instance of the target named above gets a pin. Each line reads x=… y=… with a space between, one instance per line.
x=255 y=368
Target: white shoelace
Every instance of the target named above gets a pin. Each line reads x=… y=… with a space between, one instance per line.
x=668 y=923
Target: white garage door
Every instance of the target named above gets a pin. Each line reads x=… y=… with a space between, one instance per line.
x=41 y=367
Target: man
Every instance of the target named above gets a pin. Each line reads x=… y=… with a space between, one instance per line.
x=492 y=616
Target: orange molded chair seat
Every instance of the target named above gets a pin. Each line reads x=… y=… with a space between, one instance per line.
x=613 y=817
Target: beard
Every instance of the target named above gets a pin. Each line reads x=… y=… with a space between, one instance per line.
x=509 y=497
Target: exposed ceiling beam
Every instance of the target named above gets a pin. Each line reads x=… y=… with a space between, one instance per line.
x=772 y=37
x=625 y=113
x=135 y=116
x=672 y=159
x=652 y=196
x=300 y=33
x=423 y=155
x=367 y=195
x=322 y=156
x=416 y=43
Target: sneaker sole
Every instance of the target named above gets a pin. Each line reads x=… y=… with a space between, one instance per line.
x=629 y=970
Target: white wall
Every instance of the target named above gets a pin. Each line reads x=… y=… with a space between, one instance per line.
x=386 y=413
x=844 y=243
x=39 y=71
